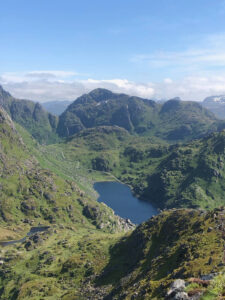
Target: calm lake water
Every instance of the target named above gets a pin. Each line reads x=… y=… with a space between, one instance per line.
x=119 y=197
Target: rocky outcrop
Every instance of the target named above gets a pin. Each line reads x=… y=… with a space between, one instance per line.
x=179 y=288
x=104 y=218
x=177 y=291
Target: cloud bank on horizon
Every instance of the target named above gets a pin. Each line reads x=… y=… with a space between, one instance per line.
x=65 y=85
x=198 y=70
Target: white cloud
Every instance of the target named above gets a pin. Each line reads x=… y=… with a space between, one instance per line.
x=122 y=86
x=50 y=74
x=44 y=90
x=62 y=87
x=191 y=88
x=59 y=85
x=16 y=77
x=168 y=80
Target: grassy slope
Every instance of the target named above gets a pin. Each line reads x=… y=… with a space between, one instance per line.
x=29 y=191
x=31 y=195
x=80 y=262
x=175 y=244
x=173 y=121
x=188 y=175
x=76 y=259
x=39 y=196
x=57 y=267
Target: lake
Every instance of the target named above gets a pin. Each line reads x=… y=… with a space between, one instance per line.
x=119 y=197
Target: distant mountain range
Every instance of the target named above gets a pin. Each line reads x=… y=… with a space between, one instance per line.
x=174 y=120
x=82 y=249
x=56 y=107
x=171 y=121
x=216 y=104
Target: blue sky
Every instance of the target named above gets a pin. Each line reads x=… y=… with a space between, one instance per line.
x=53 y=49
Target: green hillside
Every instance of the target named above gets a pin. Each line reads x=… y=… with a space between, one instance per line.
x=90 y=253
x=172 y=121
x=175 y=244
x=180 y=175
x=41 y=124
x=80 y=262
x=31 y=194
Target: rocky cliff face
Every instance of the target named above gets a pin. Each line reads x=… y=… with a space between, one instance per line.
x=41 y=124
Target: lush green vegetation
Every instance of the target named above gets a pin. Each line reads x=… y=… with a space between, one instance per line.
x=41 y=124
x=181 y=175
x=173 y=121
x=88 y=252
x=78 y=262
x=175 y=244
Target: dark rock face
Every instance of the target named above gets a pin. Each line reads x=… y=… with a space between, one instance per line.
x=100 y=164
x=91 y=212
x=26 y=206
x=36 y=238
x=28 y=246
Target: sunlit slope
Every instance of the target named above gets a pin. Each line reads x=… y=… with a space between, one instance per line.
x=41 y=124
x=172 y=121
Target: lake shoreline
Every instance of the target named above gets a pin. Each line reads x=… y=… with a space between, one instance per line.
x=120 y=197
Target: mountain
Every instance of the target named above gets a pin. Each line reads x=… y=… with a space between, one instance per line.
x=190 y=175
x=216 y=104
x=33 y=196
x=31 y=192
x=87 y=252
x=175 y=244
x=41 y=124
x=180 y=175
x=173 y=120
x=56 y=107
x=80 y=262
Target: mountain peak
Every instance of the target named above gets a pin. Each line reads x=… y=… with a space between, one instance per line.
x=100 y=90
x=171 y=104
x=100 y=94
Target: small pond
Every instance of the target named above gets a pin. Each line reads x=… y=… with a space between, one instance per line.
x=119 y=197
